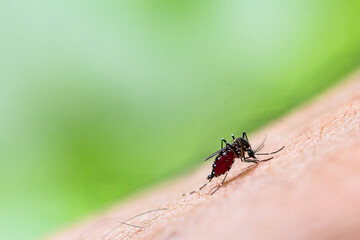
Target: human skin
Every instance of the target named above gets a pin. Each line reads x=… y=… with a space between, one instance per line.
x=310 y=190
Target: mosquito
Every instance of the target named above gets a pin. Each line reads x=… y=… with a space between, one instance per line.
x=237 y=149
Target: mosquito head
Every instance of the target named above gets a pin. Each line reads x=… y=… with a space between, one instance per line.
x=251 y=153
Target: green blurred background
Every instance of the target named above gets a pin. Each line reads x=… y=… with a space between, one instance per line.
x=100 y=98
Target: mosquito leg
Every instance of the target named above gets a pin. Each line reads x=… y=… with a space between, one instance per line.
x=245 y=136
x=253 y=161
x=202 y=186
x=228 y=146
x=205 y=184
x=265 y=160
x=257 y=161
x=228 y=165
x=220 y=184
x=242 y=153
x=233 y=137
x=224 y=141
x=271 y=152
x=227 y=162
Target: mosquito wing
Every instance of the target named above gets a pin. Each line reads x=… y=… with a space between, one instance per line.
x=215 y=153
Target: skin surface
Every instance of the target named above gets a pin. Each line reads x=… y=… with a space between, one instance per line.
x=310 y=190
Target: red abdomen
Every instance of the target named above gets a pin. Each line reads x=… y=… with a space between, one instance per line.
x=223 y=162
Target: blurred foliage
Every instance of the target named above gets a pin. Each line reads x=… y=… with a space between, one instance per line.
x=98 y=99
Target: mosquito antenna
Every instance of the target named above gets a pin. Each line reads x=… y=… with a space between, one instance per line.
x=271 y=152
x=129 y=219
x=261 y=145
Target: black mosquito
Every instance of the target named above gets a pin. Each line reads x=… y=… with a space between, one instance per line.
x=239 y=148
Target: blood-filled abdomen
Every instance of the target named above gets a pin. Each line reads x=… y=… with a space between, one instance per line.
x=223 y=162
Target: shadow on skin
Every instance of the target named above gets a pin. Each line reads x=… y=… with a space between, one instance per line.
x=243 y=172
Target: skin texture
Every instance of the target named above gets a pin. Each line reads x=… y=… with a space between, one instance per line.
x=310 y=190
